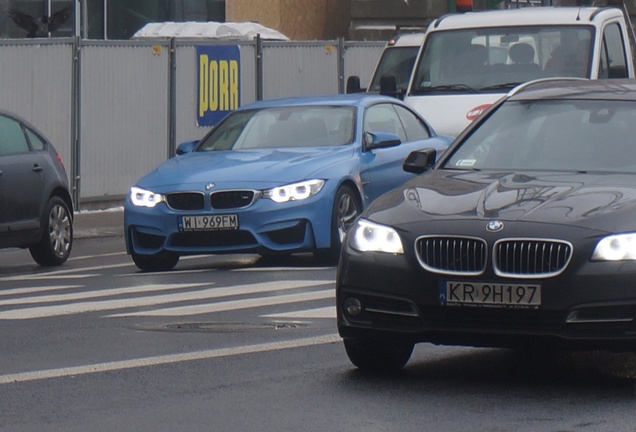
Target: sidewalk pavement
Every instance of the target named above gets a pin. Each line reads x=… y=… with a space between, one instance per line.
x=99 y=223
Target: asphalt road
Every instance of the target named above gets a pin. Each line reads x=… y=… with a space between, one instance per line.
x=234 y=343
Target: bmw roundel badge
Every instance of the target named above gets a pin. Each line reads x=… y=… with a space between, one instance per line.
x=495 y=226
x=209 y=186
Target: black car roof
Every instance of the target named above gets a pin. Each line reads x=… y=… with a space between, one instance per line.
x=573 y=88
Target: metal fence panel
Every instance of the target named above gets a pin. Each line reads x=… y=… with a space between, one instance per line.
x=299 y=69
x=124 y=114
x=37 y=84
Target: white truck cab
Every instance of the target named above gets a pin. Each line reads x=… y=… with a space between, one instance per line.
x=468 y=61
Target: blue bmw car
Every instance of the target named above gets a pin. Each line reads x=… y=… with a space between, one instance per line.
x=274 y=177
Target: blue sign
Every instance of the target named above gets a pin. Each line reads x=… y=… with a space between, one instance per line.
x=218 y=82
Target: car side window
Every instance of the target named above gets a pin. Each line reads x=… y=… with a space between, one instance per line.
x=37 y=143
x=613 y=63
x=383 y=118
x=12 y=138
x=415 y=128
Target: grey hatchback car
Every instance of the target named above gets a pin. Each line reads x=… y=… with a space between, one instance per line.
x=36 y=209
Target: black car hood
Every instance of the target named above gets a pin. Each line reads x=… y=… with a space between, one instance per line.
x=599 y=201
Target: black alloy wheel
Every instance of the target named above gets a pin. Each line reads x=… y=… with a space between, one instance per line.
x=346 y=208
x=56 y=242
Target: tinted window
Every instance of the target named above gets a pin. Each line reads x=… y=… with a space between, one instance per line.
x=12 y=139
x=613 y=63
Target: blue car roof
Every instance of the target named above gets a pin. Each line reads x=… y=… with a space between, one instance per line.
x=352 y=99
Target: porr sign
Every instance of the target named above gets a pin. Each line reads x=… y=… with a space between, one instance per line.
x=218 y=82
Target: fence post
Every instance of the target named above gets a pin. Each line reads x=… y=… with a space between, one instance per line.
x=341 y=65
x=76 y=124
x=172 y=98
x=259 y=67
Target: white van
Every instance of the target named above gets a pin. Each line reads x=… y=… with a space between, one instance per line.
x=468 y=61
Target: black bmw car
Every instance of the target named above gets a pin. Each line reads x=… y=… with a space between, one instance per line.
x=522 y=235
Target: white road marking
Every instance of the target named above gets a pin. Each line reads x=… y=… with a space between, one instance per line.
x=66 y=273
x=132 y=302
x=85 y=257
x=165 y=359
x=31 y=290
x=99 y=293
x=233 y=305
x=326 y=312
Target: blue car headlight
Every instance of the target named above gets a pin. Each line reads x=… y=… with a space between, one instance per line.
x=615 y=248
x=295 y=191
x=144 y=198
x=367 y=236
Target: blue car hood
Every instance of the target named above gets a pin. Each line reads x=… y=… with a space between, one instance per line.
x=249 y=168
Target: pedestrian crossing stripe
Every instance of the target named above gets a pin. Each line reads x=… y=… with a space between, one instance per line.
x=101 y=300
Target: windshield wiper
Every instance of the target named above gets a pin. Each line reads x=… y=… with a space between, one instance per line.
x=446 y=87
x=501 y=86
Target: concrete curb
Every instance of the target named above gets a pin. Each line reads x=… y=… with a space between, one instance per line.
x=99 y=223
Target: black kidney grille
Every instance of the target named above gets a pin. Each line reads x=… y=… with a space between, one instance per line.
x=185 y=201
x=452 y=255
x=231 y=199
x=529 y=257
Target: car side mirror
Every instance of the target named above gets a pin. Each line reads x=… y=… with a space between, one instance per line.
x=186 y=147
x=374 y=140
x=420 y=161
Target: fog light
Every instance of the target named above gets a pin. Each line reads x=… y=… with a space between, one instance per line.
x=353 y=306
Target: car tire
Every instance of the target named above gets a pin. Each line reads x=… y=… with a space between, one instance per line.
x=162 y=261
x=346 y=208
x=56 y=242
x=378 y=354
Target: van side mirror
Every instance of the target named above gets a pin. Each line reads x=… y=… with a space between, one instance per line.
x=353 y=84
x=420 y=161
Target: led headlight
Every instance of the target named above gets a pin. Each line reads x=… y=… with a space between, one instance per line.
x=295 y=191
x=615 y=248
x=144 y=198
x=367 y=236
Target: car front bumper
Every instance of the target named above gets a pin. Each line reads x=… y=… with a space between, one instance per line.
x=265 y=226
x=590 y=307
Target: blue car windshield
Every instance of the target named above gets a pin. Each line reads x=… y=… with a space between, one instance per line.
x=567 y=135
x=289 y=126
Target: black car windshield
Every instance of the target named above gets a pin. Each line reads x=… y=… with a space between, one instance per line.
x=289 y=126
x=573 y=135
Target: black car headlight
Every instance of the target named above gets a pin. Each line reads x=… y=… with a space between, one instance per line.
x=144 y=198
x=294 y=192
x=616 y=248
x=367 y=236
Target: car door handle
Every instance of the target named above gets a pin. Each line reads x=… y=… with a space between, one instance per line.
x=37 y=168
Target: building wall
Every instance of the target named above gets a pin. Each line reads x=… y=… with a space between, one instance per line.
x=297 y=19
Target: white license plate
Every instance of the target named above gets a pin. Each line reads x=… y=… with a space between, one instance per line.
x=208 y=223
x=453 y=293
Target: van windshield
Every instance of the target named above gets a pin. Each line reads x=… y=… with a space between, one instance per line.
x=492 y=59
x=397 y=62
